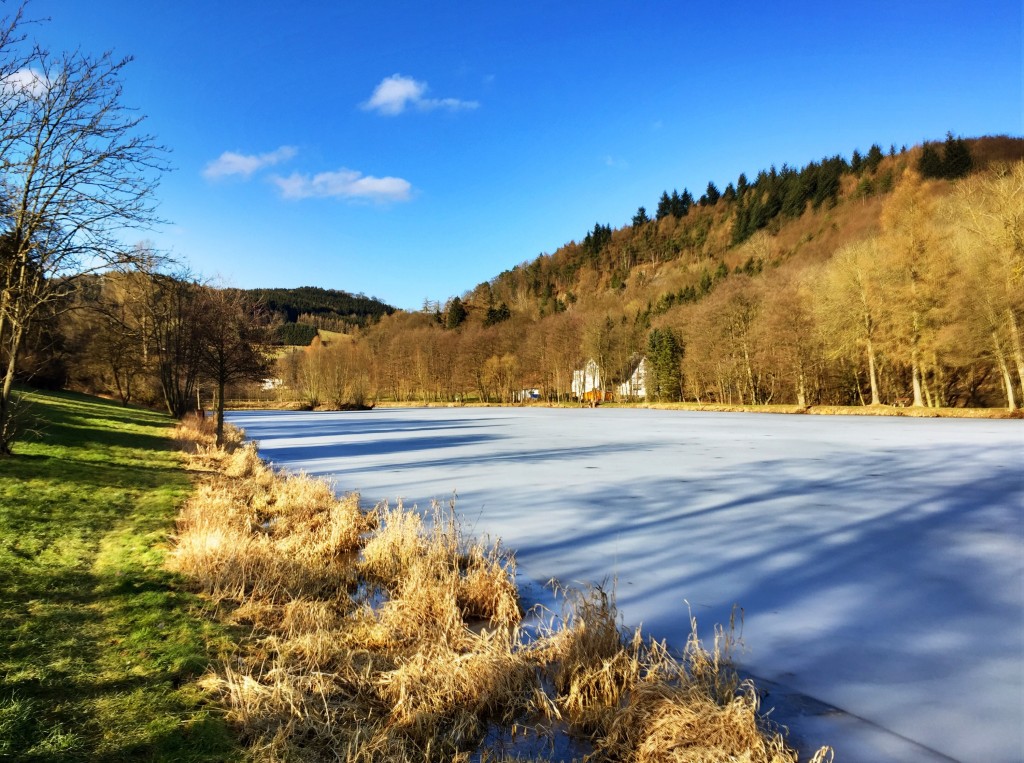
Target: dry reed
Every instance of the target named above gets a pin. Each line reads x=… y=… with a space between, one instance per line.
x=382 y=636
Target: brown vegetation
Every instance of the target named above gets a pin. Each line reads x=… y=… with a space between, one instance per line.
x=381 y=636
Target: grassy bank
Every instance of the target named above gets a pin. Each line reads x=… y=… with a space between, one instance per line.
x=100 y=645
x=378 y=636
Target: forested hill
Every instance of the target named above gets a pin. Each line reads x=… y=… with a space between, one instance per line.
x=809 y=211
x=324 y=308
x=890 y=277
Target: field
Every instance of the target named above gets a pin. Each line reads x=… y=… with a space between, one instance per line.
x=878 y=561
x=99 y=645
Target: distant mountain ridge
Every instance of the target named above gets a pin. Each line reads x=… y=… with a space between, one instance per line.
x=331 y=309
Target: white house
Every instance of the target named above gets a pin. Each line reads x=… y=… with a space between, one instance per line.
x=586 y=379
x=636 y=385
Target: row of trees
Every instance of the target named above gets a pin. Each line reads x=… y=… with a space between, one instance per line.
x=162 y=340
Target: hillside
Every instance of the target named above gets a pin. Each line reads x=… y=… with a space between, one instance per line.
x=313 y=306
x=785 y=214
x=890 y=278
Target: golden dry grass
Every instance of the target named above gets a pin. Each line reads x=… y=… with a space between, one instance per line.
x=381 y=636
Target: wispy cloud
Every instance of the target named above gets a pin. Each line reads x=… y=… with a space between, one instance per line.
x=396 y=93
x=231 y=163
x=343 y=184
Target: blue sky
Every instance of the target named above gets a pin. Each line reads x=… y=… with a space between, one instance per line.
x=408 y=151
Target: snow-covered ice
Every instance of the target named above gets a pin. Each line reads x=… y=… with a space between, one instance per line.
x=879 y=562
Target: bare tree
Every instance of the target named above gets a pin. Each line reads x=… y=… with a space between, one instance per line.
x=231 y=346
x=848 y=305
x=174 y=340
x=77 y=173
x=992 y=244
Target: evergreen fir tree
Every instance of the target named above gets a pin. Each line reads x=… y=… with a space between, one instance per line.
x=856 y=162
x=664 y=206
x=957 y=161
x=930 y=165
x=741 y=186
x=664 y=353
x=712 y=195
x=455 y=314
x=677 y=205
x=874 y=157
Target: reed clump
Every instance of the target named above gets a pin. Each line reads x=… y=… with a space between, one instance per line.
x=384 y=635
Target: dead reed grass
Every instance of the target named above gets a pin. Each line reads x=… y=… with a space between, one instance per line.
x=384 y=635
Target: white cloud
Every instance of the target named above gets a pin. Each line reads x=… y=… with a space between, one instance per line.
x=344 y=184
x=26 y=82
x=395 y=93
x=231 y=163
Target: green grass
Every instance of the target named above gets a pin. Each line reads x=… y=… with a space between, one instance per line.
x=99 y=644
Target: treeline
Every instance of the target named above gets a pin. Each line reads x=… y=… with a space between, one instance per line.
x=156 y=339
x=689 y=230
x=330 y=309
x=910 y=295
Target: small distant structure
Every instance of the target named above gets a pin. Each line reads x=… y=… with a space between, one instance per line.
x=526 y=395
x=586 y=381
x=269 y=385
x=635 y=385
x=587 y=385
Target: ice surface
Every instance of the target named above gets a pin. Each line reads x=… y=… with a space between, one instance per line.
x=879 y=562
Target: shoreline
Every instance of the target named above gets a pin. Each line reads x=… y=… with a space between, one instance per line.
x=810 y=410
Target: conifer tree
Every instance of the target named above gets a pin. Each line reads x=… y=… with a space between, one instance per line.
x=664 y=353
x=874 y=157
x=677 y=205
x=957 y=161
x=856 y=161
x=455 y=314
x=664 y=207
x=741 y=186
x=930 y=165
x=712 y=195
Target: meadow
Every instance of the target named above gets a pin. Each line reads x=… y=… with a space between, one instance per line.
x=101 y=645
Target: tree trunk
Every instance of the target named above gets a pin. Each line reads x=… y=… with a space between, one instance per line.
x=7 y=433
x=873 y=374
x=1004 y=371
x=1015 y=346
x=750 y=375
x=220 y=412
x=915 y=378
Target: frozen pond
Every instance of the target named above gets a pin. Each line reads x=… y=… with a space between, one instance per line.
x=879 y=561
